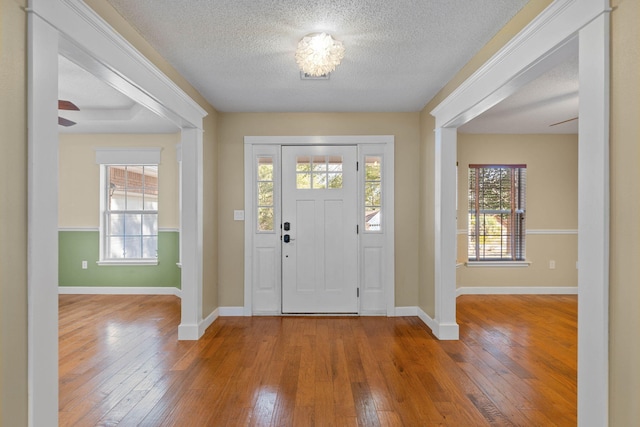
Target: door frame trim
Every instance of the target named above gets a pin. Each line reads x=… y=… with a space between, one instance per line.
x=386 y=141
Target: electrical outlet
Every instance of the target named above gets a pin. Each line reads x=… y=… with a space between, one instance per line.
x=552 y=264
x=84 y=265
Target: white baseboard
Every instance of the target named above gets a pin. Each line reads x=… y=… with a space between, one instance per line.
x=208 y=321
x=441 y=331
x=231 y=311
x=516 y=290
x=119 y=290
x=189 y=332
x=426 y=319
x=406 y=311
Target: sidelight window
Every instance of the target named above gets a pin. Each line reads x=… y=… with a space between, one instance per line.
x=265 y=193
x=373 y=193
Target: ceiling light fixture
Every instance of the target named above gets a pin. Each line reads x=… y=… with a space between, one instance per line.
x=319 y=54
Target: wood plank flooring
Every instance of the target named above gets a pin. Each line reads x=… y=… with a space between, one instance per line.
x=121 y=364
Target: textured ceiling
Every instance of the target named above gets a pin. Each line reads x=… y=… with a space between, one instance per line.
x=240 y=53
x=240 y=56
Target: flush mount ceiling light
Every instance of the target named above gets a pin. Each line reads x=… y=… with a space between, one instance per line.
x=319 y=54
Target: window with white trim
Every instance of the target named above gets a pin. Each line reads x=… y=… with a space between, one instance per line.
x=497 y=212
x=130 y=225
x=129 y=193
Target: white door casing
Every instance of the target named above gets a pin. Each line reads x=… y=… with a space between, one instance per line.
x=320 y=241
x=263 y=249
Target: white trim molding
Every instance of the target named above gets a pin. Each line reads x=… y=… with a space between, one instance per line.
x=536 y=231
x=94 y=229
x=545 y=232
x=128 y=155
x=128 y=262
x=427 y=320
x=405 y=311
x=119 y=290
x=208 y=321
x=516 y=290
x=231 y=311
x=497 y=264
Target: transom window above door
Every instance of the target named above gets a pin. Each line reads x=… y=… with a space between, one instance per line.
x=318 y=172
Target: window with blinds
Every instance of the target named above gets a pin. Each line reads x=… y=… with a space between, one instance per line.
x=497 y=212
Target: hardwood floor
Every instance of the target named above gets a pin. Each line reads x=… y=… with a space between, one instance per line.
x=121 y=364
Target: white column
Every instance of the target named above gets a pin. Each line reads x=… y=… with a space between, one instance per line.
x=191 y=235
x=593 y=224
x=445 y=234
x=42 y=222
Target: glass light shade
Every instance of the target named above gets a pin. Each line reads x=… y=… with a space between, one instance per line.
x=319 y=54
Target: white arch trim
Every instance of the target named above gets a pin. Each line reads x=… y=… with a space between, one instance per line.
x=537 y=48
x=73 y=29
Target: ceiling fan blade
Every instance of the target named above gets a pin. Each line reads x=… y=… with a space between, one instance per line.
x=65 y=122
x=67 y=105
x=564 y=121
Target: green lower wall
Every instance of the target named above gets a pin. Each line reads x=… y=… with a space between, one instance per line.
x=76 y=246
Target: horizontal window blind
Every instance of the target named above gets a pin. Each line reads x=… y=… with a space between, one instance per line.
x=497 y=212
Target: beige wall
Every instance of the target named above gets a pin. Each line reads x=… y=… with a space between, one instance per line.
x=13 y=214
x=79 y=185
x=551 y=203
x=233 y=128
x=426 y=283
x=624 y=295
x=210 y=213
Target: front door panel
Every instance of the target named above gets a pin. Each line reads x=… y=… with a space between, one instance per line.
x=320 y=249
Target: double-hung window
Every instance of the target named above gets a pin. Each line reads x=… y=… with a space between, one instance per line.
x=497 y=212
x=129 y=206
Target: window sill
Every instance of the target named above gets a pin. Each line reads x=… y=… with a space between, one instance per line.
x=499 y=264
x=133 y=262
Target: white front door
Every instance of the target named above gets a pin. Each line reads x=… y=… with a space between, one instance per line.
x=319 y=229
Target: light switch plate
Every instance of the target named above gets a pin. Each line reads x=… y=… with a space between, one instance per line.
x=238 y=215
